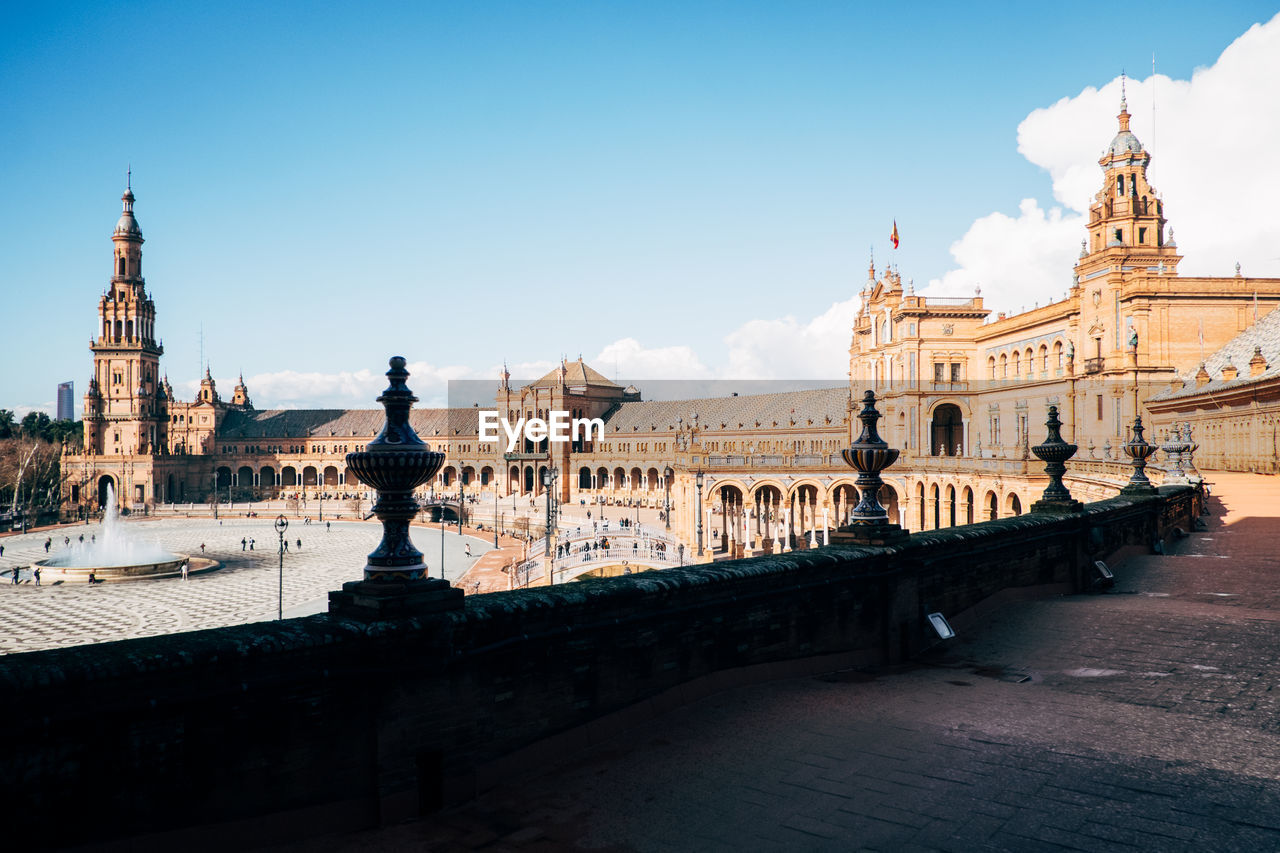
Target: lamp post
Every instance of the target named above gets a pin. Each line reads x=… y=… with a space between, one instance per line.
x=461 y=497
x=667 y=474
x=215 y=495
x=549 y=477
x=698 y=478
x=282 y=524
x=495 y=512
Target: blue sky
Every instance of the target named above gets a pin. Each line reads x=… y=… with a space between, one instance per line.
x=321 y=186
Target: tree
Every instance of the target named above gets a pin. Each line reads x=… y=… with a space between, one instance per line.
x=7 y=423
x=37 y=425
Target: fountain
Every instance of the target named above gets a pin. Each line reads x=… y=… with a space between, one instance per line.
x=116 y=556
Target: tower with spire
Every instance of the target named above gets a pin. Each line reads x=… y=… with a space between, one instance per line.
x=124 y=414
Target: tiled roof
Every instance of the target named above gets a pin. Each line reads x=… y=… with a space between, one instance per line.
x=576 y=373
x=1265 y=334
x=338 y=423
x=807 y=408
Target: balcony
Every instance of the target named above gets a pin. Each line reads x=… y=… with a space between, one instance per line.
x=1093 y=365
x=525 y=457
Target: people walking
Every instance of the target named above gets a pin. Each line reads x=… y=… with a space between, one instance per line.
x=243 y=543
x=467 y=549
x=201 y=547
x=35 y=571
x=250 y=544
x=184 y=569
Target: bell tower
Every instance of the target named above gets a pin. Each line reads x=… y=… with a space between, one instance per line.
x=1126 y=218
x=123 y=411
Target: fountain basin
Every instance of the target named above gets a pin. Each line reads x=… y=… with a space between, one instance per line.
x=50 y=570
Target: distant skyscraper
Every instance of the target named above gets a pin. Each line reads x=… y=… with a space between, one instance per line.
x=66 y=401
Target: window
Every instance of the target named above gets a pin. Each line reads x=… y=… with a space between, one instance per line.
x=1099 y=407
x=939 y=372
x=1142 y=235
x=1119 y=235
x=955 y=371
x=1120 y=185
x=121 y=266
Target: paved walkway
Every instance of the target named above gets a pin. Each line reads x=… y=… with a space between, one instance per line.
x=244 y=590
x=1142 y=719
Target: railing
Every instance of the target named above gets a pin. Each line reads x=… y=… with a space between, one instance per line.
x=962 y=301
x=521 y=457
x=1093 y=365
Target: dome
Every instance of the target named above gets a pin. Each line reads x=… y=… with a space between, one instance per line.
x=127 y=226
x=1124 y=143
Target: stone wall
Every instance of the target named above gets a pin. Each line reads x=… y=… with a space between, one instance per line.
x=311 y=725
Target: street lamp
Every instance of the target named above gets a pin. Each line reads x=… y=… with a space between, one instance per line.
x=666 y=485
x=282 y=524
x=549 y=477
x=698 y=478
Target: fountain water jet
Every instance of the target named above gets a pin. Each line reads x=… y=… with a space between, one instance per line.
x=116 y=556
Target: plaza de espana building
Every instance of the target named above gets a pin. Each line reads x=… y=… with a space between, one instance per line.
x=963 y=394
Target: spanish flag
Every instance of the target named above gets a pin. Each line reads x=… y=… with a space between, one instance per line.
x=894 y=236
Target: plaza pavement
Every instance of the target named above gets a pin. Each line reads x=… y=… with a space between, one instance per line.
x=244 y=590
x=1140 y=719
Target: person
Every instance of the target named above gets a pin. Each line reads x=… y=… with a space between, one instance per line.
x=184 y=569
x=243 y=543
x=250 y=544
x=467 y=549
x=299 y=544
x=93 y=577
x=93 y=537
x=286 y=546
x=1 y=550
x=201 y=547
x=47 y=543
x=36 y=572
x=326 y=527
x=15 y=575
x=81 y=538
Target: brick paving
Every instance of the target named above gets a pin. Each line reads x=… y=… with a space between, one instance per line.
x=244 y=590
x=1140 y=719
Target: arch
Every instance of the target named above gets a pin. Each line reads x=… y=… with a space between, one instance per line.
x=1017 y=364
x=169 y=492
x=1013 y=504
x=602 y=477
x=244 y=478
x=635 y=479
x=1031 y=363
x=1004 y=366
x=951 y=506
x=1057 y=354
x=120 y=266
x=349 y=478
x=119 y=329
x=288 y=476
x=468 y=475
x=538 y=484
x=447 y=476
x=888 y=497
x=584 y=477
x=1044 y=358
x=920 y=503
x=946 y=430
x=513 y=479
x=934 y=496
x=991 y=366
x=619 y=476
x=486 y=475
x=528 y=480
x=330 y=475
x=267 y=477
x=966 y=501
x=310 y=477
x=652 y=480
x=105 y=482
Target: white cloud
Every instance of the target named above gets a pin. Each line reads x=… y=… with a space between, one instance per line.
x=629 y=359
x=788 y=349
x=1213 y=162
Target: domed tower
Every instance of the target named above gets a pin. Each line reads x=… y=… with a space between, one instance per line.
x=126 y=354
x=240 y=395
x=1126 y=219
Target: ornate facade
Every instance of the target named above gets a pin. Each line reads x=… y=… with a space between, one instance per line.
x=963 y=396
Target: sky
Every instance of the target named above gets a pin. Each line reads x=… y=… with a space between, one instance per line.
x=671 y=190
